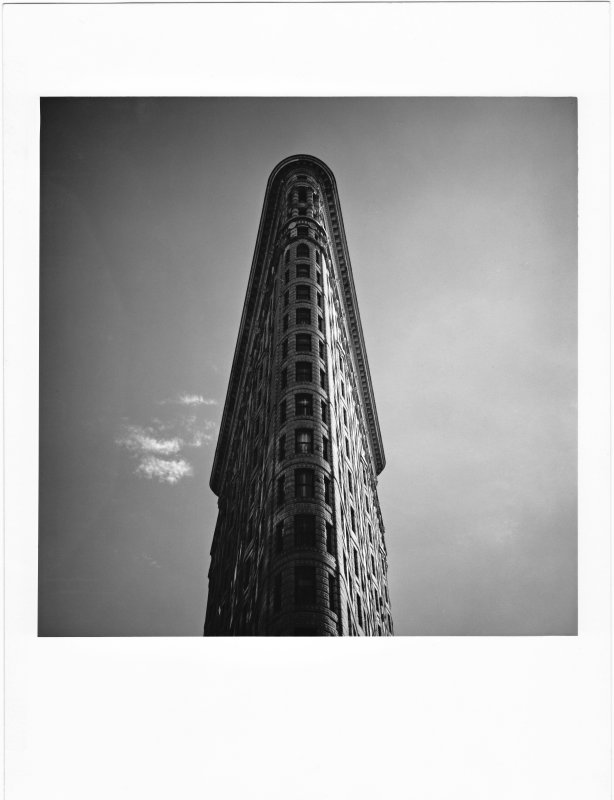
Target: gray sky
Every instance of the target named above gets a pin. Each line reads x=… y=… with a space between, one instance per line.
x=461 y=223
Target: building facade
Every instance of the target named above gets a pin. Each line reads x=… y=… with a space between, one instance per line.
x=298 y=547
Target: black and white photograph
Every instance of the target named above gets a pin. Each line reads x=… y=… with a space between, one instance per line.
x=308 y=366
x=307 y=337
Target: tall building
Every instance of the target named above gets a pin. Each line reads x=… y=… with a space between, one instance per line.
x=299 y=544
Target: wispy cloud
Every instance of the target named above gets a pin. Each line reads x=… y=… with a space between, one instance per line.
x=166 y=471
x=157 y=448
x=186 y=399
x=143 y=440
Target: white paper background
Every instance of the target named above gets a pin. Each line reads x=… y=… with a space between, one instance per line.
x=407 y=717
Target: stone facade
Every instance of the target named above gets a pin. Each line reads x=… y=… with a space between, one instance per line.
x=299 y=544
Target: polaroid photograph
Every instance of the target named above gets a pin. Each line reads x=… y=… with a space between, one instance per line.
x=307 y=318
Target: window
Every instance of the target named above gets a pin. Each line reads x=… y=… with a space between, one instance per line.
x=302 y=250
x=284 y=348
x=355 y=551
x=373 y=564
x=303 y=441
x=303 y=271
x=342 y=386
x=347 y=447
x=287 y=276
x=320 y=323
x=327 y=491
x=359 y=604
x=323 y=379
x=304 y=530
x=320 y=304
x=303 y=343
x=332 y=591
x=324 y=411
x=287 y=257
x=303 y=316
x=350 y=486
x=303 y=405
x=325 y=455
x=318 y=255
x=286 y=298
x=303 y=292
x=279 y=537
x=303 y=370
x=282 y=448
x=285 y=322
x=283 y=411
x=330 y=543
x=318 y=277
x=284 y=378
x=304 y=585
x=281 y=490
x=353 y=519
x=303 y=482
x=321 y=349
x=302 y=194
x=303 y=231
x=277 y=593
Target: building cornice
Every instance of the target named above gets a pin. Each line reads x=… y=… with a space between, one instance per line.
x=264 y=245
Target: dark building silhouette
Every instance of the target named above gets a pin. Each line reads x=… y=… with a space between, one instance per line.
x=299 y=545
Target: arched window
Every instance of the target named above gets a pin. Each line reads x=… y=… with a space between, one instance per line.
x=302 y=251
x=303 y=343
x=303 y=441
x=304 y=585
x=304 y=483
x=302 y=194
x=281 y=490
x=303 y=371
x=303 y=405
x=304 y=530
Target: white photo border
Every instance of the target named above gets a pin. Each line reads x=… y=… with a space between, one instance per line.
x=431 y=718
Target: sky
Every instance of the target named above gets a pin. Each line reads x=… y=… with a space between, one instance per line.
x=461 y=221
